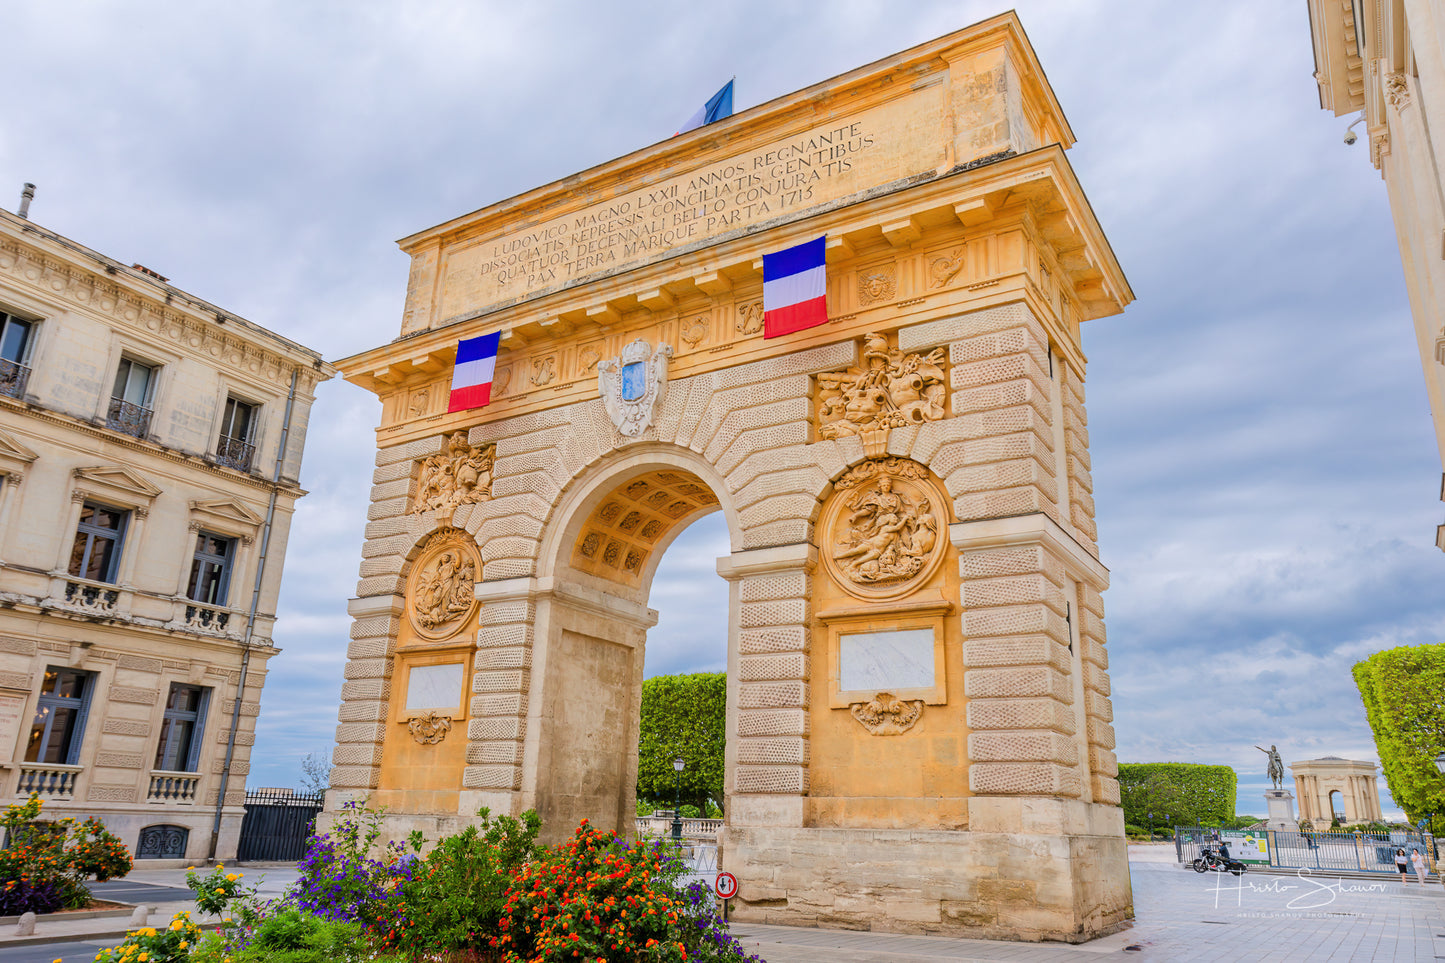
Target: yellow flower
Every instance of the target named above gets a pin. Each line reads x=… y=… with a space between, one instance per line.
x=233 y=876
x=176 y=924
x=143 y=957
x=184 y=944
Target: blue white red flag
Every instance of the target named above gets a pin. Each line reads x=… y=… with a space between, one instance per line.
x=795 y=288
x=718 y=107
x=472 y=376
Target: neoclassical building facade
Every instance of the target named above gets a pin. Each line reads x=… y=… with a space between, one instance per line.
x=1332 y=787
x=143 y=524
x=1385 y=60
x=918 y=708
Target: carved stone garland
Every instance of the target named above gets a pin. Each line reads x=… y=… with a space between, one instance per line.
x=885 y=715
x=882 y=529
x=429 y=727
x=460 y=475
x=891 y=390
x=441 y=594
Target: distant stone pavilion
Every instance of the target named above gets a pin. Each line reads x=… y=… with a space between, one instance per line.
x=1332 y=785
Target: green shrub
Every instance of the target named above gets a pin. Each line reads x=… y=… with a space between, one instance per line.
x=61 y=855
x=1189 y=794
x=454 y=898
x=1401 y=691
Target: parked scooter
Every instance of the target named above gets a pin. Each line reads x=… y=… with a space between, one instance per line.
x=1209 y=859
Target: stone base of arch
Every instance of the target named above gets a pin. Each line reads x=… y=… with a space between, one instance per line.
x=1059 y=881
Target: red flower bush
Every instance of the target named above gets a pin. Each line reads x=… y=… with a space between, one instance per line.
x=598 y=898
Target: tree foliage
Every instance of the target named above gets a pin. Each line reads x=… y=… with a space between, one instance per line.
x=686 y=716
x=1404 y=694
x=1187 y=793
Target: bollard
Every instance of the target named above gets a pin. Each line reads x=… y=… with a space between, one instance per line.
x=140 y=915
x=26 y=926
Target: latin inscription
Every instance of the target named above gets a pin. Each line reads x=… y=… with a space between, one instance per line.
x=786 y=177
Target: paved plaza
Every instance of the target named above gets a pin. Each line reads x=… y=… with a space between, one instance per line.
x=1181 y=915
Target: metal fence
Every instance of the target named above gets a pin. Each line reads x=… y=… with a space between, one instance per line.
x=277 y=824
x=1359 y=852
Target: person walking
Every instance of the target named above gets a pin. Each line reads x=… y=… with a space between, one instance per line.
x=1418 y=862
x=1402 y=863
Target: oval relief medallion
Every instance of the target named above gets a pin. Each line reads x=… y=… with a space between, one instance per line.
x=883 y=529
x=441 y=597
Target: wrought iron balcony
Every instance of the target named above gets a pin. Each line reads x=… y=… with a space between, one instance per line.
x=131 y=419
x=13 y=378
x=234 y=453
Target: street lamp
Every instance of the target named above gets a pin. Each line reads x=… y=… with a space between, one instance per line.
x=1440 y=763
x=678 y=765
x=1151 y=827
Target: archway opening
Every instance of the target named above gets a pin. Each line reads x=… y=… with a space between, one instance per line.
x=1337 y=806
x=635 y=596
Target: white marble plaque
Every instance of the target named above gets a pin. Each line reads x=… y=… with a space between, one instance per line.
x=11 y=709
x=434 y=686
x=885 y=661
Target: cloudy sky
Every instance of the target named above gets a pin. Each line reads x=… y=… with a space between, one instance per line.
x=1266 y=474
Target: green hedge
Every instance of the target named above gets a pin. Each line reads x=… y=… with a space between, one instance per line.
x=683 y=715
x=1402 y=691
x=1188 y=793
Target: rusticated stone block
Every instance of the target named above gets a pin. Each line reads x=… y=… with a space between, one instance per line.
x=1023 y=745
x=773 y=695
x=1021 y=714
x=776 y=638
x=492 y=777
x=772 y=722
x=773 y=752
x=1016 y=650
x=1017 y=682
x=762 y=668
x=792 y=780
x=1022 y=779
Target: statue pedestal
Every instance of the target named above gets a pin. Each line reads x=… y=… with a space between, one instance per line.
x=1281 y=811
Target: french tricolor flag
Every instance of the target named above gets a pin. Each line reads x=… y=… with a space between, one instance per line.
x=795 y=288
x=472 y=376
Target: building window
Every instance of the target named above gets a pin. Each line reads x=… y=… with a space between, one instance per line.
x=130 y=401
x=235 y=447
x=98 y=539
x=59 y=725
x=211 y=569
x=185 y=720
x=15 y=341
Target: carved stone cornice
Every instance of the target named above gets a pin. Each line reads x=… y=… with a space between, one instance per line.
x=201 y=334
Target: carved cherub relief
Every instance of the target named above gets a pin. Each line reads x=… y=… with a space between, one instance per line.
x=441 y=594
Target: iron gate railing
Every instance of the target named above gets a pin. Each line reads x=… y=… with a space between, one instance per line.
x=277 y=824
x=1367 y=852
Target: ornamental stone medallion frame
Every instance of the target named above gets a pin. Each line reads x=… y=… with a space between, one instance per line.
x=918 y=697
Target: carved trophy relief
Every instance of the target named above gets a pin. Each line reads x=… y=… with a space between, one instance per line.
x=944 y=267
x=587 y=358
x=877 y=285
x=885 y=715
x=1397 y=91
x=461 y=475
x=501 y=382
x=441 y=596
x=882 y=529
x=418 y=404
x=891 y=390
x=750 y=317
x=429 y=727
x=694 y=332
x=544 y=371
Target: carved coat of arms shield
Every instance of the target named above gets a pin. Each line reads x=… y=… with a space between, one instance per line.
x=633 y=384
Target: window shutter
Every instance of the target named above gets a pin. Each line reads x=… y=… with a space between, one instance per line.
x=198 y=732
x=73 y=756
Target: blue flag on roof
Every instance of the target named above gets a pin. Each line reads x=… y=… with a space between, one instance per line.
x=718 y=107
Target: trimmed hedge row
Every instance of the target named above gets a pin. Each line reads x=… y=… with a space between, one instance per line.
x=1188 y=793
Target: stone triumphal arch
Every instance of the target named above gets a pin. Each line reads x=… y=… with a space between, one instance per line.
x=918 y=703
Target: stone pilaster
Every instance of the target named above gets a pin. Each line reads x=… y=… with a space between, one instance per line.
x=768 y=674
x=501 y=678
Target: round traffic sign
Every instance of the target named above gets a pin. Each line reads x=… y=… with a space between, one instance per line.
x=725 y=886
